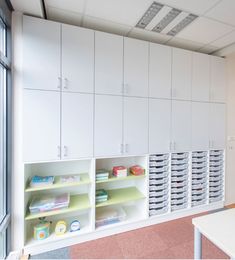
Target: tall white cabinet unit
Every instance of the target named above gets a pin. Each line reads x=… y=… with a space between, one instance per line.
x=108 y=64
x=77 y=60
x=41 y=50
x=91 y=101
x=136 y=54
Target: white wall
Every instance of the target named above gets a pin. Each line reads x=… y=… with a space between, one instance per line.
x=230 y=160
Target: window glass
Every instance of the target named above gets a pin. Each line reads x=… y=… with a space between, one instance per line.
x=2 y=37
x=2 y=245
x=2 y=142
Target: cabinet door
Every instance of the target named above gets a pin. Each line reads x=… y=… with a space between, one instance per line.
x=77 y=59
x=135 y=67
x=108 y=125
x=181 y=125
x=200 y=126
x=159 y=71
x=135 y=125
x=108 y=63
x=218 y=80
x=159 y=125
x=41 y=125
x=217 y=126
x=41 y=54
x=181 y=74
x=200 y=77
x=77 y=125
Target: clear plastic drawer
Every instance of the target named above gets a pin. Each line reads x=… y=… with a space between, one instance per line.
x=157 y=181
x=179 y=155
x=158 y=205
x=216 y=152
x=197 y=203
x=199 y=159
x=199 y=170
x=179 y=167
x=215 y=183
x=158 y=187
x=158 y=175
x=178 y=207
x=158 y=199
x=158 y=193
x=198 y=191
x=179 y=189
x=199 y=154
x=158 y=169
x=179 y=201
x=198 y=181
x=179 y=173
x=198 y=197
x=179 y=178
x=220 y=198
x=158 y=164
x=178 y=195
x=158 y=211
x=159 y=157
x=179 y=161
x=179 y=184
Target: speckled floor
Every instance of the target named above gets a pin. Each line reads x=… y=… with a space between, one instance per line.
x=169 y=240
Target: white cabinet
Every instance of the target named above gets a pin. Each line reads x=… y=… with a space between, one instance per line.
x=77 y=125
x=181 y=74
x=217 y=126
x=159 y=71
x=41 y=54
x=108 y=125
x=108 y=64
x=77 y=59
x=218 y=80
x=200 y=126
x=41 y=125
x=181 y=125
x=135 y=126
x=159 y=125
x=200 y=77
x=135 y=67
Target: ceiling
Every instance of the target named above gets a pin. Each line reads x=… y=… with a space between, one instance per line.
x=212 y=31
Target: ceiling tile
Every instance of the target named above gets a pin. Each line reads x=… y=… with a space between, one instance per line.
x=126 y=12
x=148 y=35
x=225 y=41
x=69 y=5
x=105 y=26
x=184 y=44
x=208 y=49
x=194 y=6
x=28 y=7
x=223 y=12
x=205 y=30
x=64 y=16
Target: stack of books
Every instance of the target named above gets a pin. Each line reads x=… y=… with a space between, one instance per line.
x=101 y=175
x=101 y=195
x=120 y=171
x=41 y=181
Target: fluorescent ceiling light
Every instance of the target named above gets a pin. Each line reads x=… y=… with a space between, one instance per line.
x=180 y=26
x=149 y=15
x=166 y=20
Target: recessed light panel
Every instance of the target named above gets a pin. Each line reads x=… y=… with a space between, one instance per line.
x=149 y=15
x=180 y=26
x=166 y=20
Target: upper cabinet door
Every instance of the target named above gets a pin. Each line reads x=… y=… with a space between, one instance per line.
x=77 y=59
x=218 y=80
x=108 y=125
x=200 y=77
x=41 y=54
x=159 y=125
x=135 y=67
x=159 y=71
x=217 y=126
x=41 y=125
x=77 y=125
x=135 y=125
x=108 y=63
x=200 y=126
x=181 y=74
x=181 y=125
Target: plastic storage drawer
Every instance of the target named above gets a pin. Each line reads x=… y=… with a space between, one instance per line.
x=158 y=187
x=158 y=169
x=158 y=211
x=158 y=193
x=179 y=173
x=199 y=154
x=158 y=175
x=179 y=155
x=179 y=167
x=179 y=189
x=158 y=205
x=159 y=157
x=179 y=201
x=179 y=161
x=178 y=207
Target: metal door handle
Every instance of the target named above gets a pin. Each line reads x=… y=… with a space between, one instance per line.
x=121 y=148
x=59 y=82
x=126 y=148
x=65 y=151
x=58 y=150
x=66 y=83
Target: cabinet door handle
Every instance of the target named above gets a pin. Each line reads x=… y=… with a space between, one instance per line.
x=59 y=151
x=170 y=145
x=174 y=146
x=66 y=83
x=121 y=148
x=126 y=148
x=65 y=151
x=59 y=82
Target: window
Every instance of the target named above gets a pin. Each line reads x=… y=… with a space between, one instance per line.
x=5 y=131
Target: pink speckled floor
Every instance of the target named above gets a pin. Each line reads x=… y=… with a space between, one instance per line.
x=170 y=240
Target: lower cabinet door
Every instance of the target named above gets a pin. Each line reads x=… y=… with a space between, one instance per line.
x=217 y=126
x=200 y=126
x=181 y=125
x=41 y=125
x=159 y=125
x=108 y=125
x=135 y=125
x=77 y=125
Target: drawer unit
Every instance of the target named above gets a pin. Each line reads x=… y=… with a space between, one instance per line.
x=158 y=183
x=216 y=176
x=179 y=180
x=199 y=178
